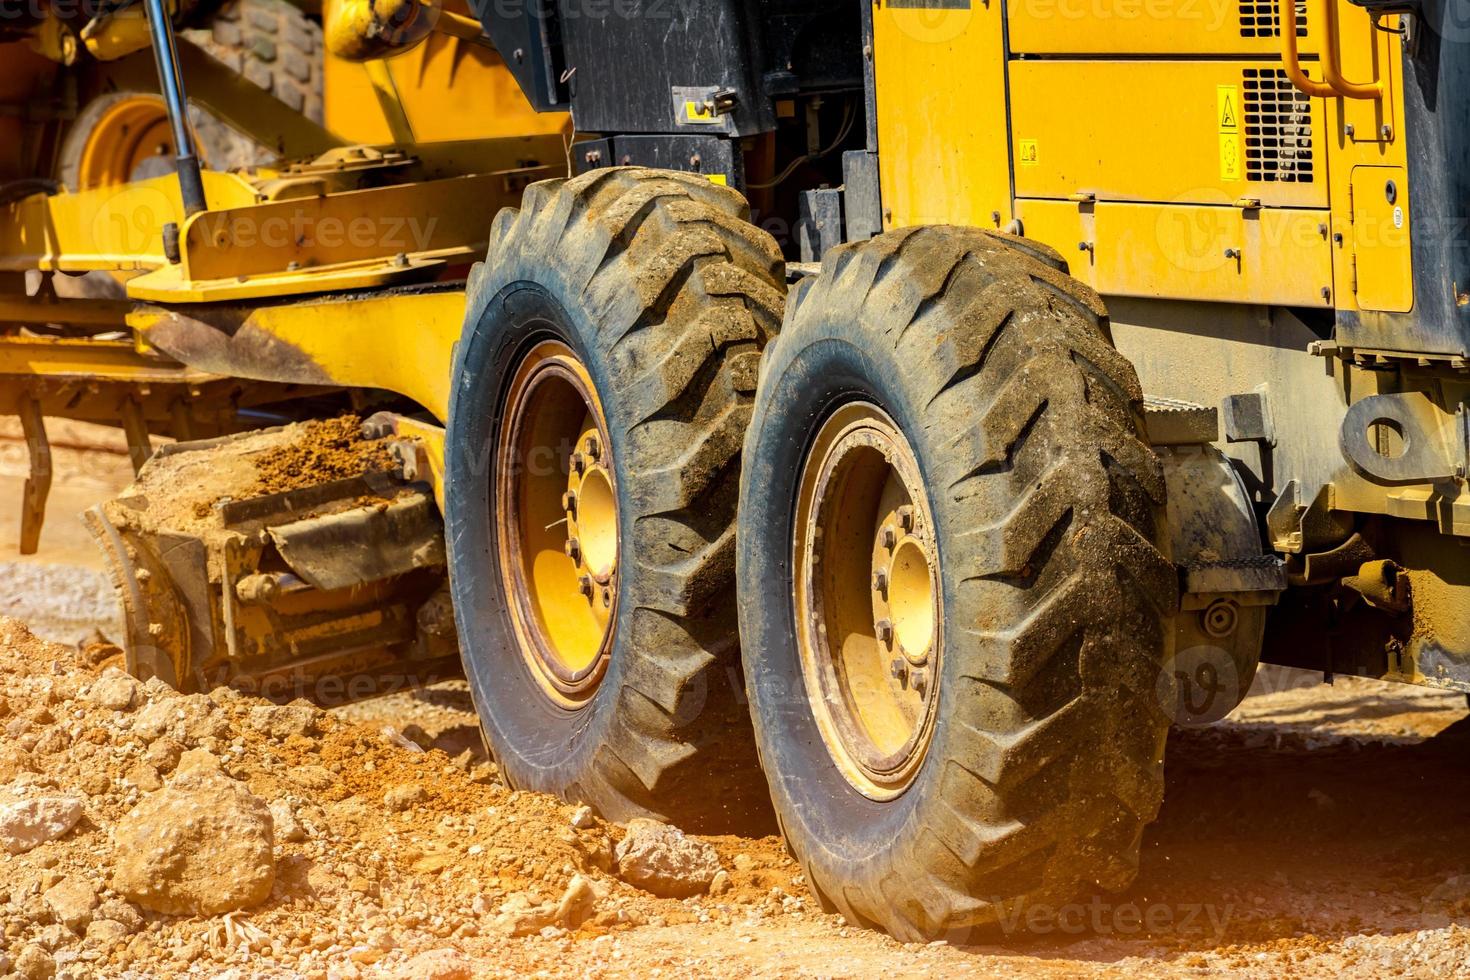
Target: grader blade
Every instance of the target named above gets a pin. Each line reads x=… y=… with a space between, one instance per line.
x=252 y=561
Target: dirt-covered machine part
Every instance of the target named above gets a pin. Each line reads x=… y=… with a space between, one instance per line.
x=333 y=589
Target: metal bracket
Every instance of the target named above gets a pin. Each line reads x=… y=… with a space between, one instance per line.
x=1247 y=417
x=38 y=483
x=1416 y=420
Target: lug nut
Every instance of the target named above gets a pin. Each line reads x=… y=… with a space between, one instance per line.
x=900 y=671
x=880 y=581
x=885 y=631
x=584 y=584
x=919 y=680
x=594 y=450
x=888 y=537
x=579 y=463
x=906 y=518
x=569 y=502
x=573 y=548
x=607 y=597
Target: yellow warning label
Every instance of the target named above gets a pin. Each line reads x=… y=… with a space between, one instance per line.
x=698 y=112
x=1227 y=108
x=1028 y=153
x=718 y=179
x=1230 y=156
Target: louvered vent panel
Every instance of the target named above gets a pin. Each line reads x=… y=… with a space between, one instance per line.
x=1261 y=18
x=1278 y=128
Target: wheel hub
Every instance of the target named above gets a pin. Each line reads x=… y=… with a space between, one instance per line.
x=868 y=599
x=557 y=522
x=130 y=141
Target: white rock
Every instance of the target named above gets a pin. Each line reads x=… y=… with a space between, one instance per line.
x=288 y=828
x=283 y=721
x=30 y=823
x=660 y=859
x=116 y=691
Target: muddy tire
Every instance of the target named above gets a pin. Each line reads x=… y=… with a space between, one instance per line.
x=655 y=287
x=1044 y=504
x=272 y=43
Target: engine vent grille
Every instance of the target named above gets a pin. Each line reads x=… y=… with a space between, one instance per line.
x=1261 y=18
x=1278 y=128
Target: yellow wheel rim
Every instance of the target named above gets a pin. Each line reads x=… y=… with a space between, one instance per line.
x=557 y=521
x=868 y=600
x=132 y=131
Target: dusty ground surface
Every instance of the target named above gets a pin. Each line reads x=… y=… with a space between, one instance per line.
x=1317 y=831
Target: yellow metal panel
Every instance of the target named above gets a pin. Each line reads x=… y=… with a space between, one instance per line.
x=1369 y=55
x=1347 y=154
x=941 y=114
x=348 y=240
x=1381 y=238
x=450 y=89
x=1223 y=254
x=1147 y=27
x=1145 y=131
x=398 y=341
x=105 y=228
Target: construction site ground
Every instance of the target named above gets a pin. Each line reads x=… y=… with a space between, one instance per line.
x=1319 y=830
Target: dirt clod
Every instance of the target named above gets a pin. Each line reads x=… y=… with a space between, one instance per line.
x=323 y=451
x=202 y=845
x=660 y=859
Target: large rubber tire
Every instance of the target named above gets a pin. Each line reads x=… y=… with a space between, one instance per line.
x=271 y=42
x=667 y=294
x=1046 y=758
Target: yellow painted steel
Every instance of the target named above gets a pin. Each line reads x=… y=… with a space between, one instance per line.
x=1273 y=255
x=1381 y=239
x=428 y=217
x=487 y=101
x=1174 y=137
x=117 y=34
x=866 y=570
x=81 y=359
x=556 y=518
x=1151 y=173
x=941 y=96
x=117 y=228
x=1169 y=27
x=398 y=341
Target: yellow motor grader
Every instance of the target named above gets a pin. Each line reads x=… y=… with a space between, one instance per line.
x=892 y=414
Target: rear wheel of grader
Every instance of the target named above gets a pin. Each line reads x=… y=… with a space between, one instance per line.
x=122 y=136
x=953 y=598
x=603 y=383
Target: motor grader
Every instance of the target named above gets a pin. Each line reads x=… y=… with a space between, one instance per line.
x=892 y=414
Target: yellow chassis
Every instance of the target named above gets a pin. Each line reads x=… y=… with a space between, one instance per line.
x=345 y=271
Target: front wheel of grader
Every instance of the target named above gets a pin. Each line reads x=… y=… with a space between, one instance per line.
x=602 y=386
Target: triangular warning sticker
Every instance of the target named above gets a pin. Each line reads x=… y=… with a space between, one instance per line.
x=1227 y=113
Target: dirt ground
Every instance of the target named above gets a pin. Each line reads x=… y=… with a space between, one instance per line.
x=1317 y=831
